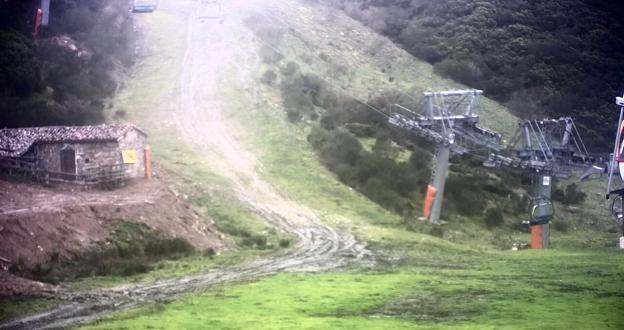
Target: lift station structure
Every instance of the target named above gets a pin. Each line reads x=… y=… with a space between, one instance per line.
x=544 y=147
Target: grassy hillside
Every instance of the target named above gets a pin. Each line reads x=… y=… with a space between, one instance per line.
x=525 y=290
x=553 y=58
x=311 y=81
x=419 y=280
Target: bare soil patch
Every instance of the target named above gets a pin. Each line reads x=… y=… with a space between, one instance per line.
x=39 y=224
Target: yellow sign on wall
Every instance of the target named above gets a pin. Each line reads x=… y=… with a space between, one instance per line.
x=129 y=156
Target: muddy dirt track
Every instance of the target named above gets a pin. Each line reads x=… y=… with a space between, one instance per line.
x=210 y=49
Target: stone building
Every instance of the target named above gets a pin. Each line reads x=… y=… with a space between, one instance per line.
x=82 y=154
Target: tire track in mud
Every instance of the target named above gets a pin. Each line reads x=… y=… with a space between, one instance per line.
x=319 y=247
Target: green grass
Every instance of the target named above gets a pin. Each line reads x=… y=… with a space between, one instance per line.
x=511 y=290
x=171 y=268
x=290 y=163
x=421 y=282
x=13 y=308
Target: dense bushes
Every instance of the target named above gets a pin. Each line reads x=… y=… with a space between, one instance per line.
x=572 y=195
x=67 y=75
x=268 y=77
x=544 y=58
x=304 y=94
x=379 y=172
x=493 y=217
x=131 y=249
x=19 y=66
x=393 y=184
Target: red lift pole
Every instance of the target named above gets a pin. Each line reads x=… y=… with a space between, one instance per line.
x=38 y=22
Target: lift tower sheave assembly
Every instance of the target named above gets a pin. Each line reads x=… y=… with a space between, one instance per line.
x=546 y=148
x=449 y=122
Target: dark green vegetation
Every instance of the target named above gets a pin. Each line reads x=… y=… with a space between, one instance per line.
x=17 y=307
x=66 y=75
x=131 y=249
x=354 y=142
x=570 y=196
x=246 y=229
x=544 y=58
x=422 y=290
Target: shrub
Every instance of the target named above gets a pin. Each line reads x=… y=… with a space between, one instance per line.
x=290 y=68
x=463 y=71
x=463 y=194
x=296 y=97
x=132 y=249
x=293 y=115
x=257 y=241
x=268 y=77
x=210 y=253
x=573 y=195
x=493 y=217
x=19 y=66
x=56 y=84
x=302 y=93
x=264 y=29
x=121 y=113
x=168 y=247
x=558 y=195
x=341 y=148
x=284 y=242
x=269 y=55
x=561 y=226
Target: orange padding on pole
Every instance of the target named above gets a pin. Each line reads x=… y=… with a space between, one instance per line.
x=537 y=239
x=147 y=152
x=429 y=199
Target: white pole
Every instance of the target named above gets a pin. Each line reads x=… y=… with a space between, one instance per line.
x=619 y=101
x=45 y=7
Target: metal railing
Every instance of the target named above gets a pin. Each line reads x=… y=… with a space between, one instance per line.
x=94 y=176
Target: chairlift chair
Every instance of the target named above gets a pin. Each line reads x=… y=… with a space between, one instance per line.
x=144 y=6
x=210 y=10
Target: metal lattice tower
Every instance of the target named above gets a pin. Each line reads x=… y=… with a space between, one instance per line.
x=448 y=121
x=545 y=147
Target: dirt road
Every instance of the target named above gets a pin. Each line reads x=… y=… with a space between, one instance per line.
x=209 y=50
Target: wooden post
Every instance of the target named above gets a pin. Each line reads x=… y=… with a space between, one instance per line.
x=147 y=157
x=429 y=198
x=540 y=236
x=537 y=237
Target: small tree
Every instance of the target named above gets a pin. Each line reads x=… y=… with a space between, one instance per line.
x=493 y=217
x=268 y=77
x=573 y=195
x=290 y=68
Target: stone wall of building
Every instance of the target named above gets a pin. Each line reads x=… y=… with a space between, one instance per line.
x=134 y=141
x=89 y=155
x=95 y=156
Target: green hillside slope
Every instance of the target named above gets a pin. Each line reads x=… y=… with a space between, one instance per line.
x=419 y=281
x=548 y=58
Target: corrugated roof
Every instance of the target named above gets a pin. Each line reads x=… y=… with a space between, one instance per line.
x=14 y=142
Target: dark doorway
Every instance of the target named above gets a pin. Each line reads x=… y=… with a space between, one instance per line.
x=68 y=162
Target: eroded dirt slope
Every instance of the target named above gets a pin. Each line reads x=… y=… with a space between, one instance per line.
x=37 y=222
